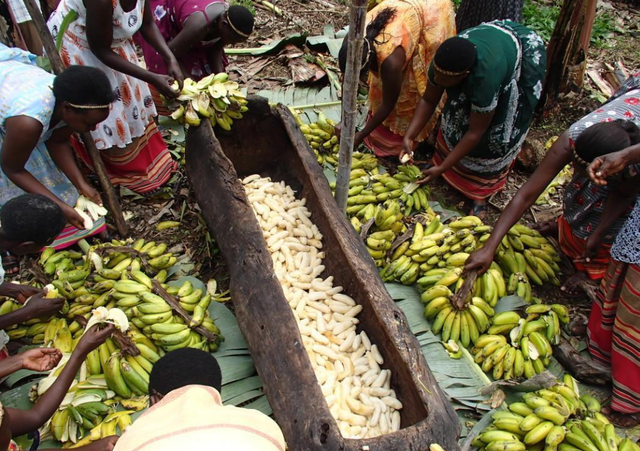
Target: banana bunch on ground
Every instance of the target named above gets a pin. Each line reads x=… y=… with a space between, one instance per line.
x=525 y=254
x=214 y=98
x=437 y=246
x=88 y=411
x=520 y=347
x=321 y=136
x=158 y=321
x=367 y=188
x=466 y=325
x=386 y=227
x=119 y=280
x=558 y=418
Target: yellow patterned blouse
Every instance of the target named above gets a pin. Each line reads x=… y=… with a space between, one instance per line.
x=419 y=27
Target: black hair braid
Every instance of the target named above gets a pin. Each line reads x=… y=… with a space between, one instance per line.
x=605 y=138
x=373 y=30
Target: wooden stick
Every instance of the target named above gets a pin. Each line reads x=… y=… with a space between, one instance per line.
x=125 y=343
x=98 y=164
x=459 y=300
x=349 y=102
x=178 y=310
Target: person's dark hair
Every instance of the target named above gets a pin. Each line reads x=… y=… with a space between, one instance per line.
x=182 y=367
x=83 y=85
x=374 y=28
x=241 y=19
x=456 y=55
x=31 y=218
x=606 y=137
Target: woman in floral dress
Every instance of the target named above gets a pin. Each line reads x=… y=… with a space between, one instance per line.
x=100 y=35
x=492 y=75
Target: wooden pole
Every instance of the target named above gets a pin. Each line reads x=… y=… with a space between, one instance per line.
x=349 y=99
x=98 y=164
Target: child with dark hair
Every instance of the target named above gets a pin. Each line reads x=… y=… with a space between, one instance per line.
x=38 y=114
x=197 y=31
x=614 y=316
x=400 y=39
x=492 y=75
x=187 y=413
x=98 y=33
x=593 y=214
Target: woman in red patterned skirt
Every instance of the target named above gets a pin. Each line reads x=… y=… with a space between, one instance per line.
x=100 y=35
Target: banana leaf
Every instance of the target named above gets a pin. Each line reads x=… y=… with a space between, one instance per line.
x=460 y=379
x=308 y=99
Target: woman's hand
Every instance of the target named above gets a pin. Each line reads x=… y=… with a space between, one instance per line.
x=357 y=140
x=606 y=166
x=174 y=70
x=94 y=337
x=40 y=359
x=19 y=292
x=40 y=307
x=73 y=217
x=105 y=444
x=407 y=149
x=591 y=247
x=430 y=175
x=90 y=193
x=164 y=85
x=479 y=260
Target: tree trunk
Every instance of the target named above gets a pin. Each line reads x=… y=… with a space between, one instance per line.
x=567 y=51
x=349 y=100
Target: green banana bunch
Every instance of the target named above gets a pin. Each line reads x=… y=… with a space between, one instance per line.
x=527 y=257
x=321 y=136
x=553 y=419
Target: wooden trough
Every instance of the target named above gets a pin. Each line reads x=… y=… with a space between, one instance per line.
x=268 y=142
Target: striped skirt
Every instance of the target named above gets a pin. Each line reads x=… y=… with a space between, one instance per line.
x=614 y=333
x=573 y=247
x=143 y=166
x=474 y=185
x=383 y=142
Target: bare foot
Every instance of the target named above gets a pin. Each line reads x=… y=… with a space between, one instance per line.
x=571 y=287
x=621 y=420
x=578 y=327
x=548 y=228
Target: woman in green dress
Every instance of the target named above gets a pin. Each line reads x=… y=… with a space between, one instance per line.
x=493 y=76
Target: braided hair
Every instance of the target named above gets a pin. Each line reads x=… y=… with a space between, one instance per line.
x=373 y=30
x=604 y=138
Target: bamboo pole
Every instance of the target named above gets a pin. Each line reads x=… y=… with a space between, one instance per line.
x=349 y=100
x=98 y=164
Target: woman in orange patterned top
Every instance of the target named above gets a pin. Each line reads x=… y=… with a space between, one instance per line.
x=400 y=40
x=99 y=33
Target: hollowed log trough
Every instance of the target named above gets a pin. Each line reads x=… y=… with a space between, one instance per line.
x=269 y=142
